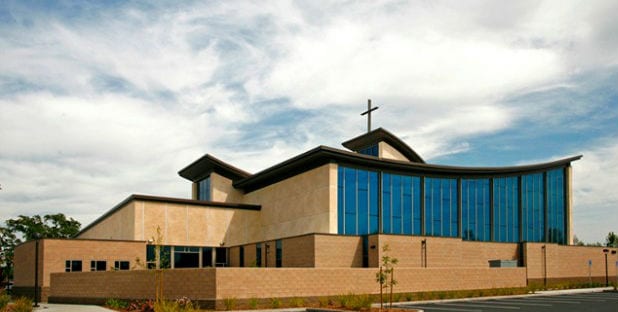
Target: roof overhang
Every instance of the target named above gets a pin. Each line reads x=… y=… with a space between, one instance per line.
x=202 y=167
x=379 y=135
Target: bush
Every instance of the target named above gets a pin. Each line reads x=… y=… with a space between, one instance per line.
x=297 y=302
x=116 y=304
x=323 y=302
x=253 y=303
x=361 y=302
x=230 y=303
x=22 y=305
x=4 y=300
x=275 y=303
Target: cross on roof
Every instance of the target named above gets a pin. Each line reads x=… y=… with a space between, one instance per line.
x=368 y=113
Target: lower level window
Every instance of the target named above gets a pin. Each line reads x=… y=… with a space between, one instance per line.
x=121 y=265
x=73 y=266
x=98 y=265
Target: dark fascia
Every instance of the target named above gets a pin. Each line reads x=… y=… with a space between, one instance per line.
x=381 y=134
x=202 y=167
x=324 y=154
x=172 y=200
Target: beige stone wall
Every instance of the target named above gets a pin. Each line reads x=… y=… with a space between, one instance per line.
x=338 y=251
x=305 y=203
x=23 y=272
x=245 y=283
x=442 y=252
x=222 y=190
x=389 y=152
x=180 y=224
x=568 y=261
x=99 y=286
x=120 y=225
x=53 y=253
x=299 y=251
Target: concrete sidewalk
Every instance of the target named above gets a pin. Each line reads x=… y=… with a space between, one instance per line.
x=52 y=307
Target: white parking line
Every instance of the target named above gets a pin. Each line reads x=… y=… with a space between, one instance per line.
x=519 y=302
x=552 y=300
x=476 y=305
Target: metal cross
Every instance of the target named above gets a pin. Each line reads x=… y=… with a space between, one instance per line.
x=368 y=113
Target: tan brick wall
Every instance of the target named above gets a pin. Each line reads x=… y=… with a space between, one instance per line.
x=195 y=284
x=442 y=252
x=120 y=225
x=23 y=272
x=244 y=283
x=299 y=251
x=568 y=261
x=338 y=251
x=303 y=204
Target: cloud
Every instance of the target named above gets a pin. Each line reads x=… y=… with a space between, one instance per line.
x=595 y=198
x=99 y=101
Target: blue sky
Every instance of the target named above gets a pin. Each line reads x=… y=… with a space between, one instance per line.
x=100 y=100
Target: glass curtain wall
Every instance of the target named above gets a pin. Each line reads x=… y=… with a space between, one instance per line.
x=441 y=217
x=357 y=201
x=533 y=208
x=475 y=210
x=401 y=204
x=506 y=209
x=530 y=208
x=556 y=207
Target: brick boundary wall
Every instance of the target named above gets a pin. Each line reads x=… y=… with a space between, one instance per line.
x=212 y=285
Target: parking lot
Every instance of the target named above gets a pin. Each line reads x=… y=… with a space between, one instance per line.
x=597 y=301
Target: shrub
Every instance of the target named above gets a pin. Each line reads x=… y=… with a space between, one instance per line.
x=344 y=300
x=166 y=306
x=116 y=304
x=22 y=305
x=142 y=306
x=275 y=303
x=253 y=303
x=4 y=300
x=323 y=302
x=361 y=302
x=230 y=303
x=297 y=302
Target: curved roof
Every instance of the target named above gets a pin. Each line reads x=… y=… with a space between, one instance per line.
x=323 y=154
x=381 y=134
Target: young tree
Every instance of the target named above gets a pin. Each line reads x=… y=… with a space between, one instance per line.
x=387 y=269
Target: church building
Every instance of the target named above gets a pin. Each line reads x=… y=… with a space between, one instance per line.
x=333 y=208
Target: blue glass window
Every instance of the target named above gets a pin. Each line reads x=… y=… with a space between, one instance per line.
x=401 y=204
x=475 y=209
x=506 y=209
x=203 y=189
x=533 y=207
x=441 y=207
x=357 y=201
x=556 y=206
x=370 y=150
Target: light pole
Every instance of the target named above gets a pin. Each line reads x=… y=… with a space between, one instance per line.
x=37 y=236
x=616 y=285
x=606 y=251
